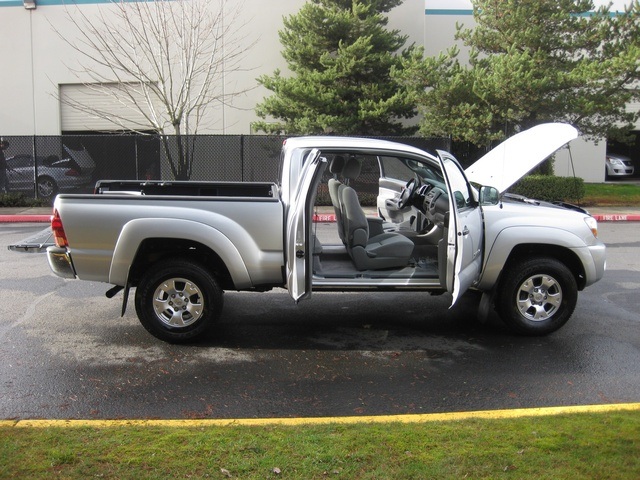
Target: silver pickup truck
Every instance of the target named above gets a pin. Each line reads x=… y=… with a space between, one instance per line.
x=437 y=228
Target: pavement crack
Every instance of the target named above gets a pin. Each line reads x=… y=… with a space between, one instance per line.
x=31 y=310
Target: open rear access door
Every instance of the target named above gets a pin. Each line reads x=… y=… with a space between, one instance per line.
x=299 y=245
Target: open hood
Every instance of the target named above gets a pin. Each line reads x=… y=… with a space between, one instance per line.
x=516 y=156
x=82 y=158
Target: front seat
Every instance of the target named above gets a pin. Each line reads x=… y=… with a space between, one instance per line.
x=377 y=225
x=336 y=167
x=385 y=250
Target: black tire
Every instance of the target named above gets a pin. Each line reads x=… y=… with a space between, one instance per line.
x=47 y=187
x=537 y=296
x=178 y=301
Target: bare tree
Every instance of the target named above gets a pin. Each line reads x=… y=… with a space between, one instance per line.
x=164 y=61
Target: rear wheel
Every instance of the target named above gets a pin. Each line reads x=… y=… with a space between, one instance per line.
x=47 y=187
x=537 y=296
x=178 y=301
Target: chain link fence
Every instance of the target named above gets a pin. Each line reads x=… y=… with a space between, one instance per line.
x=73 y=163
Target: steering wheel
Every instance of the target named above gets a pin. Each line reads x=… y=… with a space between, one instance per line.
x=408 y=191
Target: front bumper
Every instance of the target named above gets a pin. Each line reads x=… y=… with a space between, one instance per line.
x=595 y=271
x=621 y=172
x=60 y=262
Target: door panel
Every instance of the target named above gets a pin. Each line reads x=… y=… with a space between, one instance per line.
x=20 y=173
x=465 y=230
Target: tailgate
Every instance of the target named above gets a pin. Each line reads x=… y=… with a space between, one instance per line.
x=36 y=243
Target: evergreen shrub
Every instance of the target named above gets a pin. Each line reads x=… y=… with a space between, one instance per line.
x=550 y=188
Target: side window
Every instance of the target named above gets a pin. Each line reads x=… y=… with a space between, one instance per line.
x=405 y=169
x=459 y=186
x=393 y=167
x=21 y=161
x=367 y=182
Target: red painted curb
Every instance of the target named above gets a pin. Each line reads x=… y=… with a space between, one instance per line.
x=609 y=217
x=25 y=218
x=324 y=217
x=617 y=217
x=318 y=218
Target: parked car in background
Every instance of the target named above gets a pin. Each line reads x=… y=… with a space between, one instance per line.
x=618 y=165
x=55 y=174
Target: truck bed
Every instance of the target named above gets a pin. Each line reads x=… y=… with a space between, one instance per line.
x=181 y=188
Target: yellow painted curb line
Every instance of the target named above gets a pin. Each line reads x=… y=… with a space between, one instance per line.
x=418 y=418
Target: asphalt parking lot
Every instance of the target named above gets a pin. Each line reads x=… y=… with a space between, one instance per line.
x=66 y=353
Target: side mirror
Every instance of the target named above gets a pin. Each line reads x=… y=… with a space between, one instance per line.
x=489 y=196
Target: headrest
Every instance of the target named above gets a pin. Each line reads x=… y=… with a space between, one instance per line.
x=352 y=169
x=337 y=165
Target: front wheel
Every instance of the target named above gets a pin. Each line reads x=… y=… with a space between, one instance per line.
x=178 y=301
x=537 y=296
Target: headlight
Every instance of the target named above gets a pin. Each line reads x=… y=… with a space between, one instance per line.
x=615 y=161
x=592 y=223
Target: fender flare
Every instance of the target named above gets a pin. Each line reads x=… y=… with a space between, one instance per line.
x=136 y=231
x=509 y=238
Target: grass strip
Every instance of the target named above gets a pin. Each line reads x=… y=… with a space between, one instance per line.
x=611 y=194
x=580 y=445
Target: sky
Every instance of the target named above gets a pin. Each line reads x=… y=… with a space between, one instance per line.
x=450 y=5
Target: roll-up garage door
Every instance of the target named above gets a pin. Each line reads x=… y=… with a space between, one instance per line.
x=102 y=108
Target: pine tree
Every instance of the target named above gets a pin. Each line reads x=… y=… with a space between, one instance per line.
x=340 y=55
x=532 y=61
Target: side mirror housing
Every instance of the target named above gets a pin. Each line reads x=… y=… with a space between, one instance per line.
x=489 y=196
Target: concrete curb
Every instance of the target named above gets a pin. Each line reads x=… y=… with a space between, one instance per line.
x=351 y=420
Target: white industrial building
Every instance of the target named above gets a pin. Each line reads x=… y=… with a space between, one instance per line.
x=36 y=65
